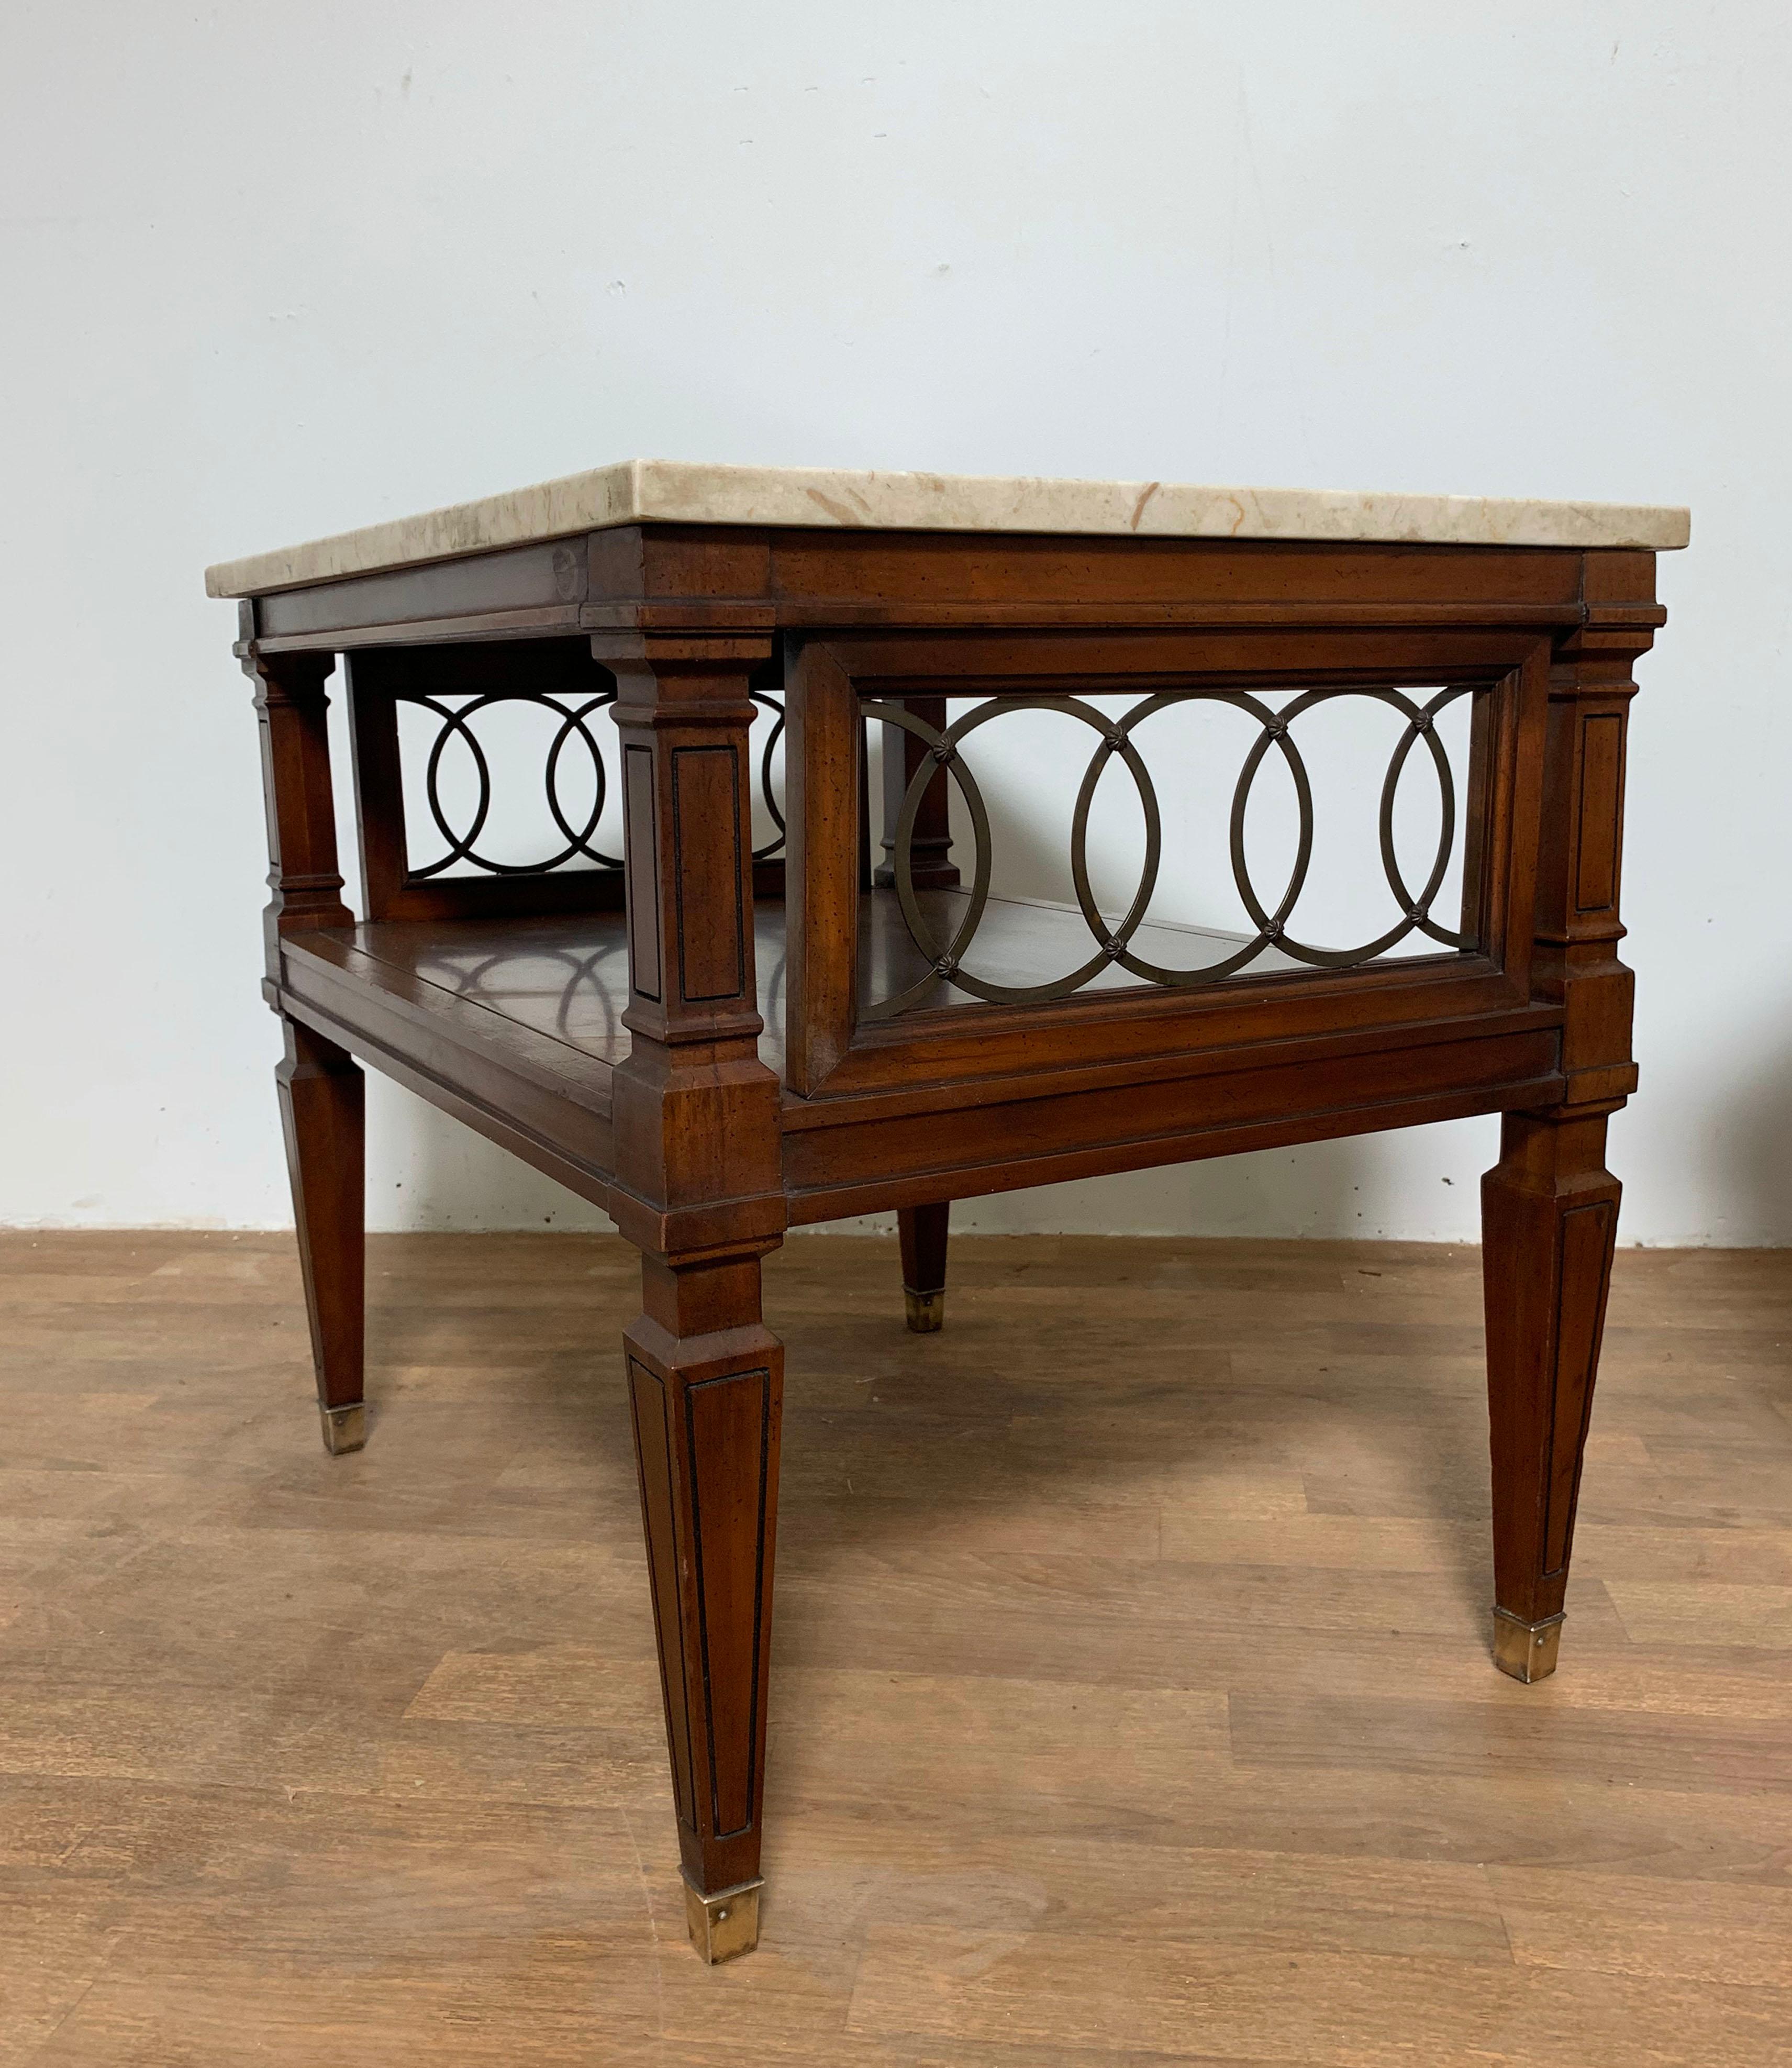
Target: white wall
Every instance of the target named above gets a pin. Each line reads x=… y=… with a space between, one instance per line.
x=266 y=271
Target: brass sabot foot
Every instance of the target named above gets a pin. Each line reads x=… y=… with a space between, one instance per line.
x=1526 y=1650
x=926 y=1311
x=345 y=1428
x=726 y=1924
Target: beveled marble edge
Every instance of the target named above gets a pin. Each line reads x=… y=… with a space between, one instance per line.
x=682 y=492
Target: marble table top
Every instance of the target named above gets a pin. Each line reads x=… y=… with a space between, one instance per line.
x=681 y=492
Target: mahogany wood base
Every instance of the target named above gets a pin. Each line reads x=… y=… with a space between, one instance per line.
x=1526 y=1650
x=726 y=1924
x=345 y=1428
x=716 y=1045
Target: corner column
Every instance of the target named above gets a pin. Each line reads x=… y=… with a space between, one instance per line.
x=321 y=1085
x=1550 y=1208
x=699 y=1191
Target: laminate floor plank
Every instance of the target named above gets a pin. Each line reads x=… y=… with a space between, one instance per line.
x=1131 y=1702
x=1348 y=2009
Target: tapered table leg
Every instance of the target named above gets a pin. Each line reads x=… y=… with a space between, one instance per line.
x=321 y=1085
x=705 y=1384
x=322 y=1111
x=699 y=1191
x=923 y=1231
x=1549 y=1217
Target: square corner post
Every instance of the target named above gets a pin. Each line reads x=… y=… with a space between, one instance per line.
x=1550 y=1208
x=700 y=1189
x=321 y=1087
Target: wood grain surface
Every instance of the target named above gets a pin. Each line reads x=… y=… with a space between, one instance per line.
x=1132 y=1699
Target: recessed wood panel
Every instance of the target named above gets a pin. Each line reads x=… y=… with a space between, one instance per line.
x=641 y=845
x=1586 y=1235
x=729 y=1422
x=1601 y=790
x=705 y=836
x=652 y=1438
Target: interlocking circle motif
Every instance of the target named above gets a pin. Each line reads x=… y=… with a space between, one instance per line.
x=1113 y=941
x=573 y=714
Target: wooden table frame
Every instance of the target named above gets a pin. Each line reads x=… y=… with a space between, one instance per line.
x=704 y=1148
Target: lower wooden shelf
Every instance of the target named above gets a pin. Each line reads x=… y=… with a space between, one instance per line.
x=515 y=1026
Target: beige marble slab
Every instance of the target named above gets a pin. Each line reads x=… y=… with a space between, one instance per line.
x=680 y=492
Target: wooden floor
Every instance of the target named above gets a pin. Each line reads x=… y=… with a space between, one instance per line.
x=1133 y=1702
